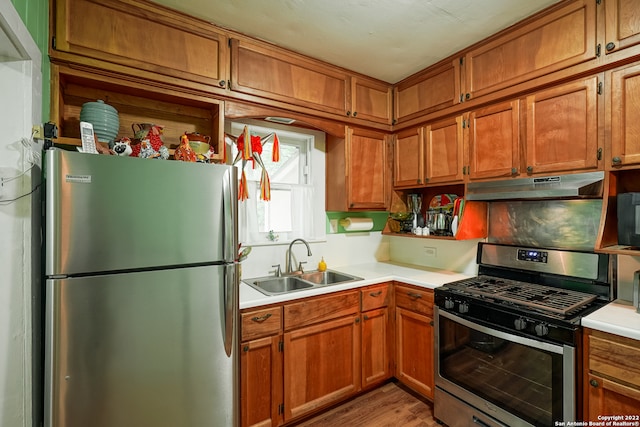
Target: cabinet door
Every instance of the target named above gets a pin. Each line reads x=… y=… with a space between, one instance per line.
x=321 y=365
x=494 y=141
x=140 y=35
x=606 y=397
x=414 y=351
x=443 y=154
x=625 y=109
x=370 y=100
x=557 y=40
x=268 y=72
x=562 y=128
x=408 y=163
x=367 y=174
x=622 y=24
x=431 y=90
x=375 y=346
x=261 y=382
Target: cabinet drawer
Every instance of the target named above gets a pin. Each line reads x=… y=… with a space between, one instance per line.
x=261 y=323
x=614 y=356
x=415 y=299
x=374 y=297
x=319 y=309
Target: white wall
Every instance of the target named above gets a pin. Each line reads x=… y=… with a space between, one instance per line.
x=367 y=247
x=20 y=107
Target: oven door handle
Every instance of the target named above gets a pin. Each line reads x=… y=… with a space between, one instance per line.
x=499 y=334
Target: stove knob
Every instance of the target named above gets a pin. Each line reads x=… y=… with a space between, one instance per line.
x=520 y=323
x=448 y=303
x=463 y=308
x=541 y=329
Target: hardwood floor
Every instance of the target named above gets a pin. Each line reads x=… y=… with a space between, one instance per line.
x=387 y=406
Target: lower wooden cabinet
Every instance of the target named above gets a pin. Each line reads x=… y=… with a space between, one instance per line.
x=301 y=356
x=261 y=382
x=612 y=376
x=321 y=365
x=414 y=339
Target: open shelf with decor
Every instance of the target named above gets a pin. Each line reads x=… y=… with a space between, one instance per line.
x=137 y=101
x=472 y=224
x=616 y=182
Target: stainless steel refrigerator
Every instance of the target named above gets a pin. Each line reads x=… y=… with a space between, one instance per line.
x=141 y=283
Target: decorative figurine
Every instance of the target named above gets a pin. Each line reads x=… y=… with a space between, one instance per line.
x=122 y=147
x=184 y=151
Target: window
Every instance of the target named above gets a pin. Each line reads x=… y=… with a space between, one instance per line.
x=296 y=208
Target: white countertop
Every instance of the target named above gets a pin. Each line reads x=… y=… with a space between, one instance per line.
x=618 y=317
x=371 y=273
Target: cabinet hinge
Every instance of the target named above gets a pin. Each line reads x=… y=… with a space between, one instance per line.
x=281 y=409
x=53 y=42
x=462 y=60
x=599 y=153
x=461 y=98
x=598 y=49
x=229 y=42
x=598 y=1
x=281 y=346
x=599 y=88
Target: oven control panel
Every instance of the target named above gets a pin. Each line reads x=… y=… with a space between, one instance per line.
x=533 y=255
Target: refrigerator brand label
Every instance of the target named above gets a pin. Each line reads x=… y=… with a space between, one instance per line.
x=84 y=179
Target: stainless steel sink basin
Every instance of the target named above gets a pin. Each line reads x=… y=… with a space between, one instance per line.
x=327 y=277
x=279 y=285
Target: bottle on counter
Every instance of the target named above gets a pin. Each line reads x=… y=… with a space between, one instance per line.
x=322 y=266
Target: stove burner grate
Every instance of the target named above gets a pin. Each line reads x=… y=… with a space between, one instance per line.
x=540 y=297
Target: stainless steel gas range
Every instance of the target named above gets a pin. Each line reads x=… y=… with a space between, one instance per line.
x=508 y=341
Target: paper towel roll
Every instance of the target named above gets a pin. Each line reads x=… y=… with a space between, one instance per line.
x=357 y=224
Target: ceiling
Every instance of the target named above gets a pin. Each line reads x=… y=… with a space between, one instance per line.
x=385 y=39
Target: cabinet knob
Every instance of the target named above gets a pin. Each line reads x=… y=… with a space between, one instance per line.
x=467 y=96
x=355 y=113
x=610 y=46
x=530 y=169
x=616 y=160
x=413 y=295
x=375 y=294
x=222 y=83
x=348 y=113
x=594 y=383
x=514 y=171
x=419 y=181
x=261 y=319
x=365 y=317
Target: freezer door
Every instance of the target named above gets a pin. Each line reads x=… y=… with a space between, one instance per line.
x=110 y=213
x=142 y=349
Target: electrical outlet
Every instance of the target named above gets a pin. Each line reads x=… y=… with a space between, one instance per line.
x=37 y=131
x=430 y=251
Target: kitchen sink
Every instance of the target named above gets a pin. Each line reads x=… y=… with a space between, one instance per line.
x=327 y=277
x=284 y=284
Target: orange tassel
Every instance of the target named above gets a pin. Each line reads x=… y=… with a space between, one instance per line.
x=265 y=186
x=276 y=149
x=247 y=152
x=243 y=191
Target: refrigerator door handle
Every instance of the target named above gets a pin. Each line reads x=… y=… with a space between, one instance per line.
x=230 y=302
x=230 y=212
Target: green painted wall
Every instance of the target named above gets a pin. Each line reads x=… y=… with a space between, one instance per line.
x=35 y=15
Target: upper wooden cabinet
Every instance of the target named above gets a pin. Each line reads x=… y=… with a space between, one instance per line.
x=273 y=73
x=370 y=100
x=622 y=24
x=562 y=128
x=358 y=174
x=433 y=89
x=623 y=102
x=559 y=39
x=494 y=141
x=408 y=159
x=113 y=34
x=443 y=155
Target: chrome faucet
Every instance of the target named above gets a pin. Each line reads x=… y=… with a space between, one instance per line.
x=289 y=264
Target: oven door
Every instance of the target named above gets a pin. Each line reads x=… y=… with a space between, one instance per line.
x=513 y=379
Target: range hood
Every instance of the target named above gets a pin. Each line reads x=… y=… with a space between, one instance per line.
x=580 y=185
